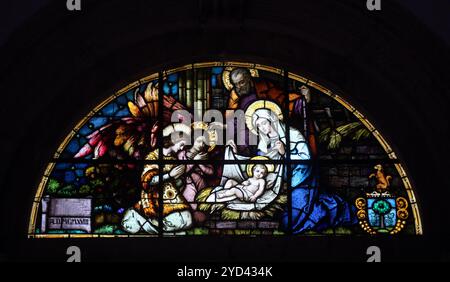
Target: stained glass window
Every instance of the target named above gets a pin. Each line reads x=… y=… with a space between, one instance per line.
x=224 y=148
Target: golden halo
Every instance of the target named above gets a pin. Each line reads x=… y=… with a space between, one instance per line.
x=261 y=104
x=249 y=167
x=227 y=80
x=199 y=125
x=212 y=134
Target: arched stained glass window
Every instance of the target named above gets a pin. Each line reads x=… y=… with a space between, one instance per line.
x=224 y=148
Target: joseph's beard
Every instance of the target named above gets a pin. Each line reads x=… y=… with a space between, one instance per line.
x=242 y=92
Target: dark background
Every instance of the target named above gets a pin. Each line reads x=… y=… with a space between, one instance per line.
x=391 y=64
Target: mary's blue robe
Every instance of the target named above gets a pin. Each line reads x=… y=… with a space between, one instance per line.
x=311 y=208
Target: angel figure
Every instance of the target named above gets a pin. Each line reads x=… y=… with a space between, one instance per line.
x=135 y=138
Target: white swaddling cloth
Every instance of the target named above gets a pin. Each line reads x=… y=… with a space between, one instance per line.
x=238 y=173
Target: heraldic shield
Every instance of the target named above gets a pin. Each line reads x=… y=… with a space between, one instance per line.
x=381 y=212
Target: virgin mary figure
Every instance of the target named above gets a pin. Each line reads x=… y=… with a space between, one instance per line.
x=311 y=208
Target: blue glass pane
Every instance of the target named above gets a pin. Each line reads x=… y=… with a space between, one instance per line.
x=390 y=219
x=98 y=121
x=130 y=95
x=62 y=165
x=173 y=77
x=142 y=88
x=166 y=88
x=73 y=146
x=123 y=113
x=85 y=130
x=82 y=140
x=391 y=202
x=175 y=89
x=374 y=219
x=81 y=165
x=217 y=70
x=122 y=100
x=109 y=109
x=69 y=176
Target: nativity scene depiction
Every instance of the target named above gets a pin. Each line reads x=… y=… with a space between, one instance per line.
x=224 y=148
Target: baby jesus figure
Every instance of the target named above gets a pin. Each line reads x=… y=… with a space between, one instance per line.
x=249 y=190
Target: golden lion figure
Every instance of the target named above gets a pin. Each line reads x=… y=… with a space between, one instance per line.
x=383 y=181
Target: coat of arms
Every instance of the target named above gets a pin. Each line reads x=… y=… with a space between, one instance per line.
x=381 y=212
